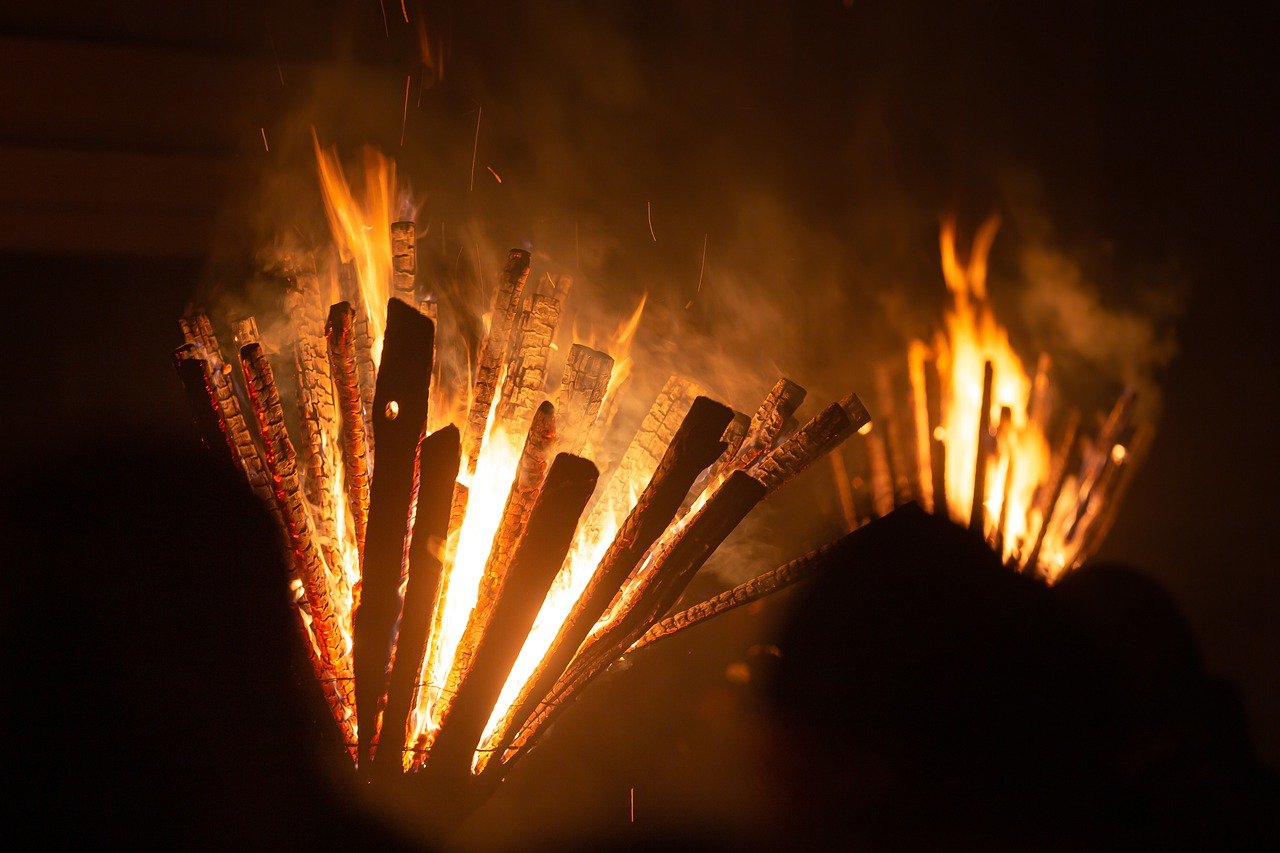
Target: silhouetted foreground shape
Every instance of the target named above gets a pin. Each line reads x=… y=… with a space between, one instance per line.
x=927 y=694
x=154 y=690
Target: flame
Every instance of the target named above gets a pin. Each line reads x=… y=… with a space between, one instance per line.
x=486 y=494
x=1019 y=459
x=361 y=227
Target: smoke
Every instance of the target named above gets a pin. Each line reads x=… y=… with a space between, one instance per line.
x=782 y=220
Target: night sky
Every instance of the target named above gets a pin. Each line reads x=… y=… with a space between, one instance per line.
x=813 y=146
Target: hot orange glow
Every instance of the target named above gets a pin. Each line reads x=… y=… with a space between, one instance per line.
x=361 y=227
x=1019 y=457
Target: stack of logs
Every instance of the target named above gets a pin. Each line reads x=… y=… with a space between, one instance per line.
x=371 y=546
x=904 y=459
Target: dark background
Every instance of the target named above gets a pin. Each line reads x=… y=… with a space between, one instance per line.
x=133 y=166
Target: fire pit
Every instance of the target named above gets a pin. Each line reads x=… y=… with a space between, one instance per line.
x=466 y=557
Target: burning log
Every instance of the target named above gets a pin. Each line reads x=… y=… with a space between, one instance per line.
x=696 y=444
x=308 y=563
x=197 y=382
x=245 y=331
x=922 y=424
x=366 y=369
x=439 y=459
x=978 y=513
x=1005 y=455
x=650 y=443
x=937 y=436
x=528 y=485
x=844 y=489
x=735 y=434
x=881 y=477
x=788 y=574
x=504 y=308
x=1051 y=490
x=198 y=331
x=824 y=432
x=538 y=555
x=583 y=386
x=666 y=574
x=317 y=413
x=768 y=422
x=340 y=332
x=399 y=419
x=892 y=416
x=404 y=261
x=1130 y=458
x=527 y=374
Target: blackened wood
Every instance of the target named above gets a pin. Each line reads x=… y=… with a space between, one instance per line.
x=697 y=443
x=669 y=575
x=538 y=556
x=438 y=462
x=197 y=383
x=937 y=437
x=399 y=418
x=1051 y=489
x=978 y=510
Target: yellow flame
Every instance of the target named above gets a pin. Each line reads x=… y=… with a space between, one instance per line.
x=1019 y=461
x=361 y=227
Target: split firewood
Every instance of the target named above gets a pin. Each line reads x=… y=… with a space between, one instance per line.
x=539 y=553
x=583 y=386
x=341 y=337
x=493 y=354
x=399 y=421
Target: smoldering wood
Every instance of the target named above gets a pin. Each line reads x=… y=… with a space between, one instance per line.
x=858 y=460
x=882 y=498
x=844 y=489
x=341 y=338
x=526 y=378
x=493 y=354
x=399 y=420
x=1137 y=448
x=538 y=555
x=978 y=510
x=531 y=471
x=893 y=418
x=660 y=586
x=300 y=533
x=583 y=386
x=404 y=262
x=763 y=585
x=695 y=445
x=735 y=434
x=197 y=385
x=768 y=421
x=824 y=432
x=1117 y=421
x=366 y=370
x=439 y=457
x=921 y=423
x=647 y=447
x=245 y=331
x=1051 y=490
x=937 y=437
x=1004 y=436
x=317 y=411
x=198 y=332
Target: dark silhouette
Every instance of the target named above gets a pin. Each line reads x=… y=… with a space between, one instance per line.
x=926 y=694
x=155 y=692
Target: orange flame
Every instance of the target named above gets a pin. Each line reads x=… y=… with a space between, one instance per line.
x=1019 y=459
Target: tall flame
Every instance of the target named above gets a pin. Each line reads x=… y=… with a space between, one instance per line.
x=361 y=227
x=1019 y=461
